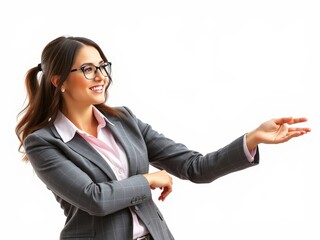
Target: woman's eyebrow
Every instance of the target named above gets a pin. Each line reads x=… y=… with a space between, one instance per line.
x=90 y=63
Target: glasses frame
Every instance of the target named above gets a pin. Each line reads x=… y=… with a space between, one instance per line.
x=95 y=71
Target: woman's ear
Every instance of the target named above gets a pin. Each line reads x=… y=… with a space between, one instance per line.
x=55 y=80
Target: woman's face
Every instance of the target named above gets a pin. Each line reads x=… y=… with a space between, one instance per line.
x=79 y=91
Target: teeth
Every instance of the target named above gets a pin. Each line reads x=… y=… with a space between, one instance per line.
x=97 y=88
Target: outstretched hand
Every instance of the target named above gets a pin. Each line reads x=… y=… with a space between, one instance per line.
x=277 y=130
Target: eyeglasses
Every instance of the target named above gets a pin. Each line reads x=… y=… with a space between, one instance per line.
x=90 y=71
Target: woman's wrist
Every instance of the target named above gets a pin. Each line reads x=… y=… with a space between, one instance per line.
x=252 y=140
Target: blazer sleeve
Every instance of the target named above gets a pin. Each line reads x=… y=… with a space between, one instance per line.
x=73 y=184
x=184 y=163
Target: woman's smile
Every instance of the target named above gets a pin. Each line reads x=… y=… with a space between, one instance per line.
x=97 y=89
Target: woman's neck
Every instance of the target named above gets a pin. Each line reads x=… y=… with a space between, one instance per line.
x=83 y=119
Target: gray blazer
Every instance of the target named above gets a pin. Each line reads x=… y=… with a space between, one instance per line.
x=95 y=204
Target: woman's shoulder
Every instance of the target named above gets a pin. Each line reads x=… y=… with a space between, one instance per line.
x=122 y=113
x=45 y=132
x=125 y=116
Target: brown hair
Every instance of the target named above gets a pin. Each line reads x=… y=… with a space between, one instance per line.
x=43 y=98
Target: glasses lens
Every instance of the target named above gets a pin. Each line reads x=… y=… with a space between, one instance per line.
x=105 y=69
x=89 y=71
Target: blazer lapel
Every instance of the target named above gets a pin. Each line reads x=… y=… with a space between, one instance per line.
x=81 y=146
x=120 y=135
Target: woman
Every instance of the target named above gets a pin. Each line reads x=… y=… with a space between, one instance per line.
x=95 y=158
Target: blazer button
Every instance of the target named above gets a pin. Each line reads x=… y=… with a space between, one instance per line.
x=137 y=208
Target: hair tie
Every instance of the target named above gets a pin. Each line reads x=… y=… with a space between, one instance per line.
x=39 y=67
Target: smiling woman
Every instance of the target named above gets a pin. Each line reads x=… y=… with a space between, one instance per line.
x=85 y=85
x=95 y=158
x=58 y=88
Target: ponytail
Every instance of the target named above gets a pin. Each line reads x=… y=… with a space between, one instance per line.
x=32 y=83
x=31 y=118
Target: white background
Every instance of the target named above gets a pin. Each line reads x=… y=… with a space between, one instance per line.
x=201 y=72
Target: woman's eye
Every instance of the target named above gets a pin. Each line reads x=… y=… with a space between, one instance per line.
x=88 y=69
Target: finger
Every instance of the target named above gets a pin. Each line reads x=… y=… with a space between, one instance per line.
x=162 y=197
x=298 y=120
x=290 y=120
x=305 y=130
x=290 y=135
x=165 y=193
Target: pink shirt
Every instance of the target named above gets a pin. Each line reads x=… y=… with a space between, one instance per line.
x=109 y=149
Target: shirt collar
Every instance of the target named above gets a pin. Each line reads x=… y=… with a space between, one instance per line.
x=67 y=129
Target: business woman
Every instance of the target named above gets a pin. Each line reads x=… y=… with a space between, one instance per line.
x=95 y=158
